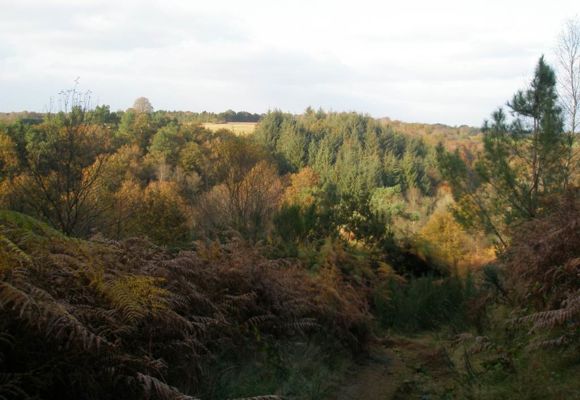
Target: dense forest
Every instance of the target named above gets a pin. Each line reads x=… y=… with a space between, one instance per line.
x=145 y=256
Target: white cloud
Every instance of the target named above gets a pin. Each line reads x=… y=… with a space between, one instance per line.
x=447 y=61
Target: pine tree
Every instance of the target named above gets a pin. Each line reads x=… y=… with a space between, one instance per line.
x=521 y=165
x=522 y=159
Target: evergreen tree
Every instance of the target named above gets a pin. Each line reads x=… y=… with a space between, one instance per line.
x=521 y=163
x=522 y=159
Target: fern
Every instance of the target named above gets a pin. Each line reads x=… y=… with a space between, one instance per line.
x=131 y=320
x=543 y=265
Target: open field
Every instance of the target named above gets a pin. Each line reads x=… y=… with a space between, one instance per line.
x=239 y=128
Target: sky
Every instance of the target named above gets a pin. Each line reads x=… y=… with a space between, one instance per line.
x=442 y=61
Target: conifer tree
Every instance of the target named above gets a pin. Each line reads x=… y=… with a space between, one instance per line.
x=521 y=165
x=522 y=158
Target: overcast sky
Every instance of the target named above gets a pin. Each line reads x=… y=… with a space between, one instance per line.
x=426 y=61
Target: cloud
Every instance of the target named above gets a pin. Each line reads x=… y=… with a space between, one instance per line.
x=444 y=61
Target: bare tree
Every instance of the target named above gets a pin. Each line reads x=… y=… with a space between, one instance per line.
x=568 y=52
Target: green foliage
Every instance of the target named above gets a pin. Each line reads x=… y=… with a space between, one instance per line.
x=424 y=303
x=296 y=224
x=352 y=151
x=522 y=160
x=521 y=165
x=166 y=144
x=387 y=202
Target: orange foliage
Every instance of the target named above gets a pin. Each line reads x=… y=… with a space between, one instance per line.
x=302 y=189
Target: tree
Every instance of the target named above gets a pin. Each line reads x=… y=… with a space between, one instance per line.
x=247 y=193
x=64 y=158
x=143 y=105
x=8 y=155
x=521 y=164
x=292 y=145
x=522 y=160
x=303 y=189
x=269 y=130
x=162 y=215
x=447 y=239
x=102 y=114
x=135 y=128
x=165 y=145
x=568 y=52
x=245 y=206
x=8 y=167
x=474 y=207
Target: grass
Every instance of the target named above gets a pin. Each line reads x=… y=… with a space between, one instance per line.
x=239 y=128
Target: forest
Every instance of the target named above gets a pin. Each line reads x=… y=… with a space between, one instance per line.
x=143 y=256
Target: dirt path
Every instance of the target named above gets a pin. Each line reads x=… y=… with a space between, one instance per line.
x=400 y=369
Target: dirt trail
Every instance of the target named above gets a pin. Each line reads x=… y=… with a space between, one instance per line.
x=400 y=369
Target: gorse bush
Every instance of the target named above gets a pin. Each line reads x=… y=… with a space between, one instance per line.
x=108 y=320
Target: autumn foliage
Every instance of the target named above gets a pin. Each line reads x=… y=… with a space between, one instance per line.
x=130 y=320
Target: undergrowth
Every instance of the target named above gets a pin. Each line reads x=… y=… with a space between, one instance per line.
x=425 y=303
x=107 y=320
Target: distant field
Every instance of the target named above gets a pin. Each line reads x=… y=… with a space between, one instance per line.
x=239 y=128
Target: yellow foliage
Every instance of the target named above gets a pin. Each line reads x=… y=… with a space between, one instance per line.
x=136 y=295
x=163 y=214
x=446 y=238
x=385 y=272
x=448 y=243
x=8 y=156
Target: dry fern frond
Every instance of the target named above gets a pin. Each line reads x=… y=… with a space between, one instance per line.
x=543 y=266
x=131 y=319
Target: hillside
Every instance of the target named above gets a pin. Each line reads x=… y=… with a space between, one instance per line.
x=323 y=255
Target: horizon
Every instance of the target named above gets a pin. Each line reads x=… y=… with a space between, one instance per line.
x=261 y=114
x=252 y=57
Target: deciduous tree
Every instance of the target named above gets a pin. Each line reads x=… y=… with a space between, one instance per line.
x=143 y=105
x=64 y=158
